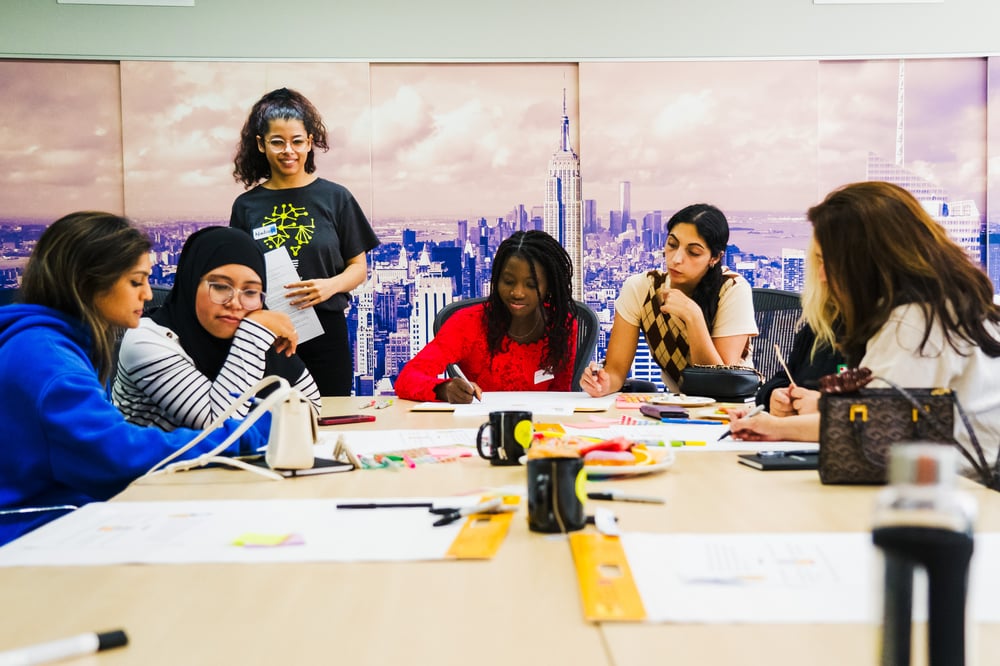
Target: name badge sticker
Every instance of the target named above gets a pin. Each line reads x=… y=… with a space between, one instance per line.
x=266 y=231
x=543 y=376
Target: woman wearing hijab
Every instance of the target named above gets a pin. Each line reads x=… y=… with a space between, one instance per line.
x=210 y=341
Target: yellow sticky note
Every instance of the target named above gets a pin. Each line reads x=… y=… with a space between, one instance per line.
x=256 y=539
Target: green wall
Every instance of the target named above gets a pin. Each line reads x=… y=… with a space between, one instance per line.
x=503 y=30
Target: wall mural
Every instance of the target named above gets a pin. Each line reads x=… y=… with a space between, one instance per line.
x=449 y=159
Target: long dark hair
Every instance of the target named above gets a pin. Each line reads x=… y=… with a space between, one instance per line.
x=538 y=249
x=880 y=250
x=78 y=258
x=713 y=228
x=250 y=165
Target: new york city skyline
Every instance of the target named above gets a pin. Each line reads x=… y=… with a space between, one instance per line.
x=453 y=142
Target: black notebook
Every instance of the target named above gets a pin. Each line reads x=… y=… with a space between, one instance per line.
x=780 y=460
x=320 y=466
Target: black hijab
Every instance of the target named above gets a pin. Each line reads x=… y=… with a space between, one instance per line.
x=204 y=251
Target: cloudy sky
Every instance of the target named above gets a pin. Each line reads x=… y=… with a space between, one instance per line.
x=741 y=135
x=466 y=140
x=469 y=140
x=60 y=138
x=944 y=127
x=774 y=136
x=182 y=121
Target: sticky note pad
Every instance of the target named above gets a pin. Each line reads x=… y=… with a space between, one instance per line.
x=258 y=540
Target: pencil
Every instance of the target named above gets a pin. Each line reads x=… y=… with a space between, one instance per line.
x=781 y=360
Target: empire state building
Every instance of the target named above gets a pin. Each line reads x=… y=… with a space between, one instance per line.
x=562 y=217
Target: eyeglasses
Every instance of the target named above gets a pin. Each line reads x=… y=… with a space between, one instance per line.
x=278 y=145
x=221 y=293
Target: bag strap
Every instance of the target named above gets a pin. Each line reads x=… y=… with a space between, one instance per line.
x=988 y=476
x=265 y=405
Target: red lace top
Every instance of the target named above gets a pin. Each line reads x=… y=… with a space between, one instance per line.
x=462 y=340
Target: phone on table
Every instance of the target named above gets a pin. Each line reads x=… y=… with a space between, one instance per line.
x=344 y=418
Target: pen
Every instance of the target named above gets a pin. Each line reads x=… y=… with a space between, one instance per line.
x=595 y=368
x=387 y=505
x=618 y=496
x=667 y=419
x=753 y=412
x=482 y=507
x=461 y=375
x=782 y=454
x=65 y=648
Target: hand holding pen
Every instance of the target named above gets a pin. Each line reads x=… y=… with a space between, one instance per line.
x=736 y=415
x=458 y=390
x=595 y=380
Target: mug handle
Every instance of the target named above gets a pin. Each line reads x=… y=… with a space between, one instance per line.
x=479 y=442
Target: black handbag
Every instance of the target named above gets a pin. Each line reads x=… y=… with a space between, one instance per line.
x=725 y=383
x=858 y=428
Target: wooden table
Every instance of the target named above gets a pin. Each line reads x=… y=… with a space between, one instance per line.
x=521 y=607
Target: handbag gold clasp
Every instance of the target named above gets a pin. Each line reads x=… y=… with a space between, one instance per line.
x=859 y=411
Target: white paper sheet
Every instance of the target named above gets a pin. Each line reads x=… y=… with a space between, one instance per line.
x=205 y=531
x=788 y=578
x=539 y=403
x=281 y=271
x=370 y=442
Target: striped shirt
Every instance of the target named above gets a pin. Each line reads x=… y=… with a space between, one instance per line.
x=158 y=384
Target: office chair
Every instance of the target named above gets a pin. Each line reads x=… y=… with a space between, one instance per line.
x=777 y=313
x=588 y=328
x=159 y=297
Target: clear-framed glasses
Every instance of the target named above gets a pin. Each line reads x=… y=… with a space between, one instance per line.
x=299 y=144
x=221 y=293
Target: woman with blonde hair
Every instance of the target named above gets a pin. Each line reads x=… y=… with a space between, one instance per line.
x=904 y=301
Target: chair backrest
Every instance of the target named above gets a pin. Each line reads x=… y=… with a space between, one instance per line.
x=159 y=296
x=588 y=328
x=777 y=313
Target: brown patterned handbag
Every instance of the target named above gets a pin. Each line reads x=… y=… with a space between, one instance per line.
x=857 y=427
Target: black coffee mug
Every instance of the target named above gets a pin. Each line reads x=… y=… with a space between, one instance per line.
x=510 y=435
x=555 y=494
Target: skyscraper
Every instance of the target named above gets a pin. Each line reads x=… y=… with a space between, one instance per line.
x=625 y=203
x=793 y=263
x=430 y=295
x=563 y=208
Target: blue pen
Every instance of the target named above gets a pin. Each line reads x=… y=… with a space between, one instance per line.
x=691 y=421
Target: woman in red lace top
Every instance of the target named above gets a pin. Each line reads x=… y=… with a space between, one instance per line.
x=523 y=338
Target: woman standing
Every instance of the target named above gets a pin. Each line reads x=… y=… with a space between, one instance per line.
x=210 y=341
x=64 y=443
x=523 y=338
x=318 y=221
x=694 y=313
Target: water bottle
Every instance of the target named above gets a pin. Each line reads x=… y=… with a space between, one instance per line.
x=922 y=521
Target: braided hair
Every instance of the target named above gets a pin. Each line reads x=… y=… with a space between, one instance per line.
x=714 y=230
x=539 y=250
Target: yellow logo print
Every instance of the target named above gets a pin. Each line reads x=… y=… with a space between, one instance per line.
x=295 y=228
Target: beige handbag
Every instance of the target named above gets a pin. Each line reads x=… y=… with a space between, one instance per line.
x=293 y=433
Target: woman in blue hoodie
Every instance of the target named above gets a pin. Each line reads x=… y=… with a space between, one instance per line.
x=65 y=443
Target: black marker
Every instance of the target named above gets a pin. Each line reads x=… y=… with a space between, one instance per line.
x=388 y=505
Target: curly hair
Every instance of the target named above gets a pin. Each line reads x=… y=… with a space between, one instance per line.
x=713 y=228
x=881 y=249
x=250 y=164
x=79 y=257
x=539 y=250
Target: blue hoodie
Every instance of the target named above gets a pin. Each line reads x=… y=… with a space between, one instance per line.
x=63 y=441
